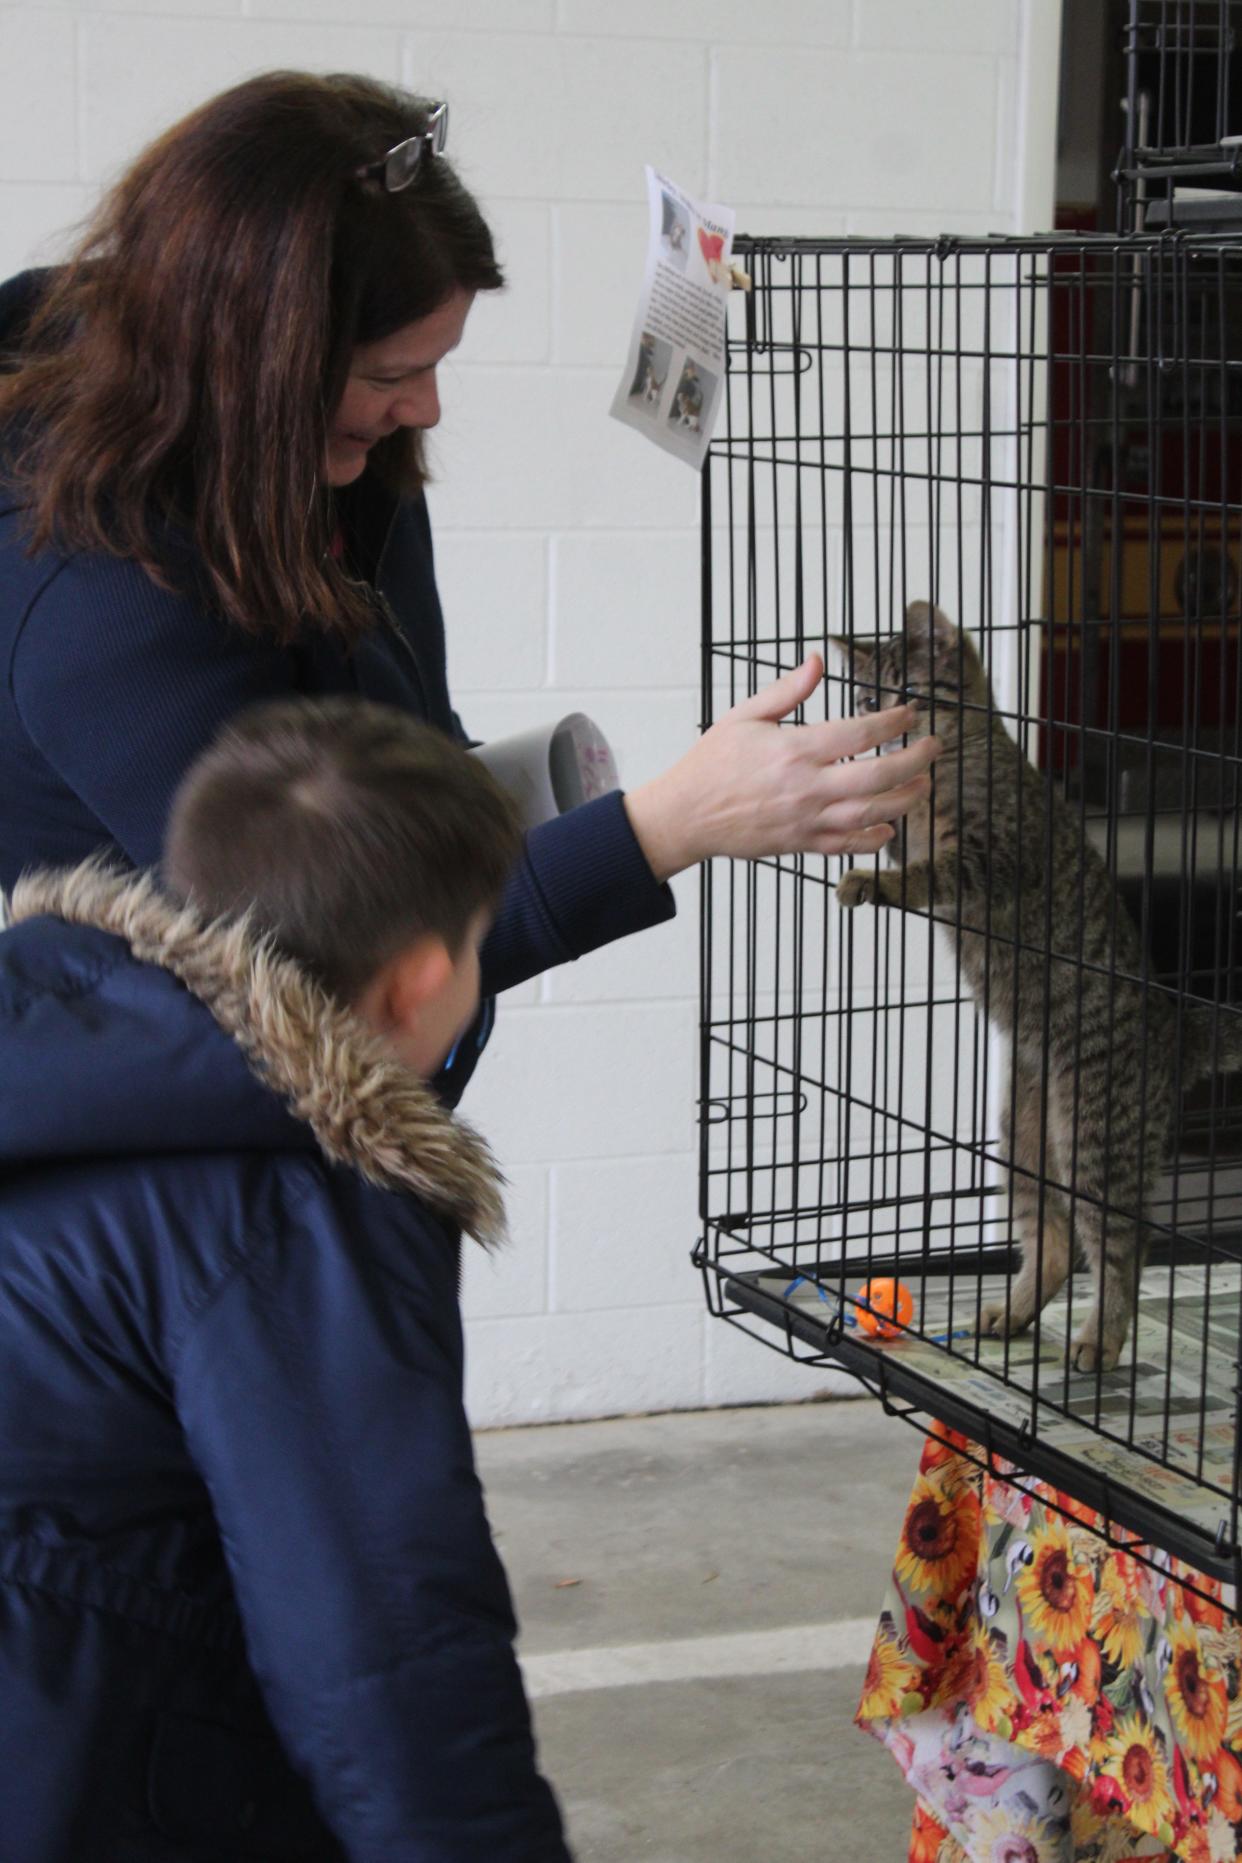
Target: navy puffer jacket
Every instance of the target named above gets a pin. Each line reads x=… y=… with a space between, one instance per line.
x=249 y=1602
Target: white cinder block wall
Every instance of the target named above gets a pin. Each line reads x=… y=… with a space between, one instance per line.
x=568 y=547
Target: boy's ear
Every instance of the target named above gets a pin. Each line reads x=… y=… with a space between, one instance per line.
x=412 y=979
x=920 y=616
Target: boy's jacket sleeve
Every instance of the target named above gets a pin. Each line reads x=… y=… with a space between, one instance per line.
x=320 y=1395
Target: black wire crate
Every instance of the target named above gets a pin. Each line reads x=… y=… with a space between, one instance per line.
x=1000 y=479
x=1183 y=111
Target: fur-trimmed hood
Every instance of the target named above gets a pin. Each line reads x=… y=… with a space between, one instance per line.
x=107 y=1050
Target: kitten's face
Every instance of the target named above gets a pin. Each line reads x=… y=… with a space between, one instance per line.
x=931 y=657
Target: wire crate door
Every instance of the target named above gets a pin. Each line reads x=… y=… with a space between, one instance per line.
x=885 y=445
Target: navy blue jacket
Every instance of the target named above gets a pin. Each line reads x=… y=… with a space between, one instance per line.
x=249 y=1603
x=112 y=686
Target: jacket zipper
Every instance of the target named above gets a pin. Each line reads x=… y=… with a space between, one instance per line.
x=398 y=632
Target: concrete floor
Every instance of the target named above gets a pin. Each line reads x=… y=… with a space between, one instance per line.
x=696 y=1594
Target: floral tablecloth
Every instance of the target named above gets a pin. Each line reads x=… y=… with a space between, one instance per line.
x=1051 y=1699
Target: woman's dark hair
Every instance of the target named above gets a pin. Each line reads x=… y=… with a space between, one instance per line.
x=347 y=829
x=181 y=373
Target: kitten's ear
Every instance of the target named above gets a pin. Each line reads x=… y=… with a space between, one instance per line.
x=920 y=616
x=860 y=647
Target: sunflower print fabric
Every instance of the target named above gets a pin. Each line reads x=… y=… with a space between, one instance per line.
x=1051 y=1699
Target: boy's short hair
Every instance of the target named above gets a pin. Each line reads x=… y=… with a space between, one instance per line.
x=349 y=829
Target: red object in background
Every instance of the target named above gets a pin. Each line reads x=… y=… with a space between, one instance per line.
x=1146 y=475
x=1185 y=674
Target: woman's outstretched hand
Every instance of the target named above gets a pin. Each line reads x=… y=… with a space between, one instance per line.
x=749 y=788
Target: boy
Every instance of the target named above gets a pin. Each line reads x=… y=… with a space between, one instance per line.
x=249 y=1603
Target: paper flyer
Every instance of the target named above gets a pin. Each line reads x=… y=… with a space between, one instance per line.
x=674 y=372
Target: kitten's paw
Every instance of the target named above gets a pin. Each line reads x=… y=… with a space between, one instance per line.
x=1089 y=1353
x=998 y=1320
x=859 y=887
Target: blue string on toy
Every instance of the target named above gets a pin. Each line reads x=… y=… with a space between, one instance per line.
x=797 y=1282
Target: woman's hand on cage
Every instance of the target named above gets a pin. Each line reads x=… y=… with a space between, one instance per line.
x=751 y=787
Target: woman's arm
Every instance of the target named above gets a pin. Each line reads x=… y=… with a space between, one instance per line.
x=119 y=685
x=583 y=880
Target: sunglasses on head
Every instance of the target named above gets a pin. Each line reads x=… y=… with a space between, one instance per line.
x=398 y=168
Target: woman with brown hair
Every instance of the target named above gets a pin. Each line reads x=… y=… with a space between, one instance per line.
x=211 y=472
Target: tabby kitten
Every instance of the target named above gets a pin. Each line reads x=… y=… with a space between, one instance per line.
x=997 y=851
